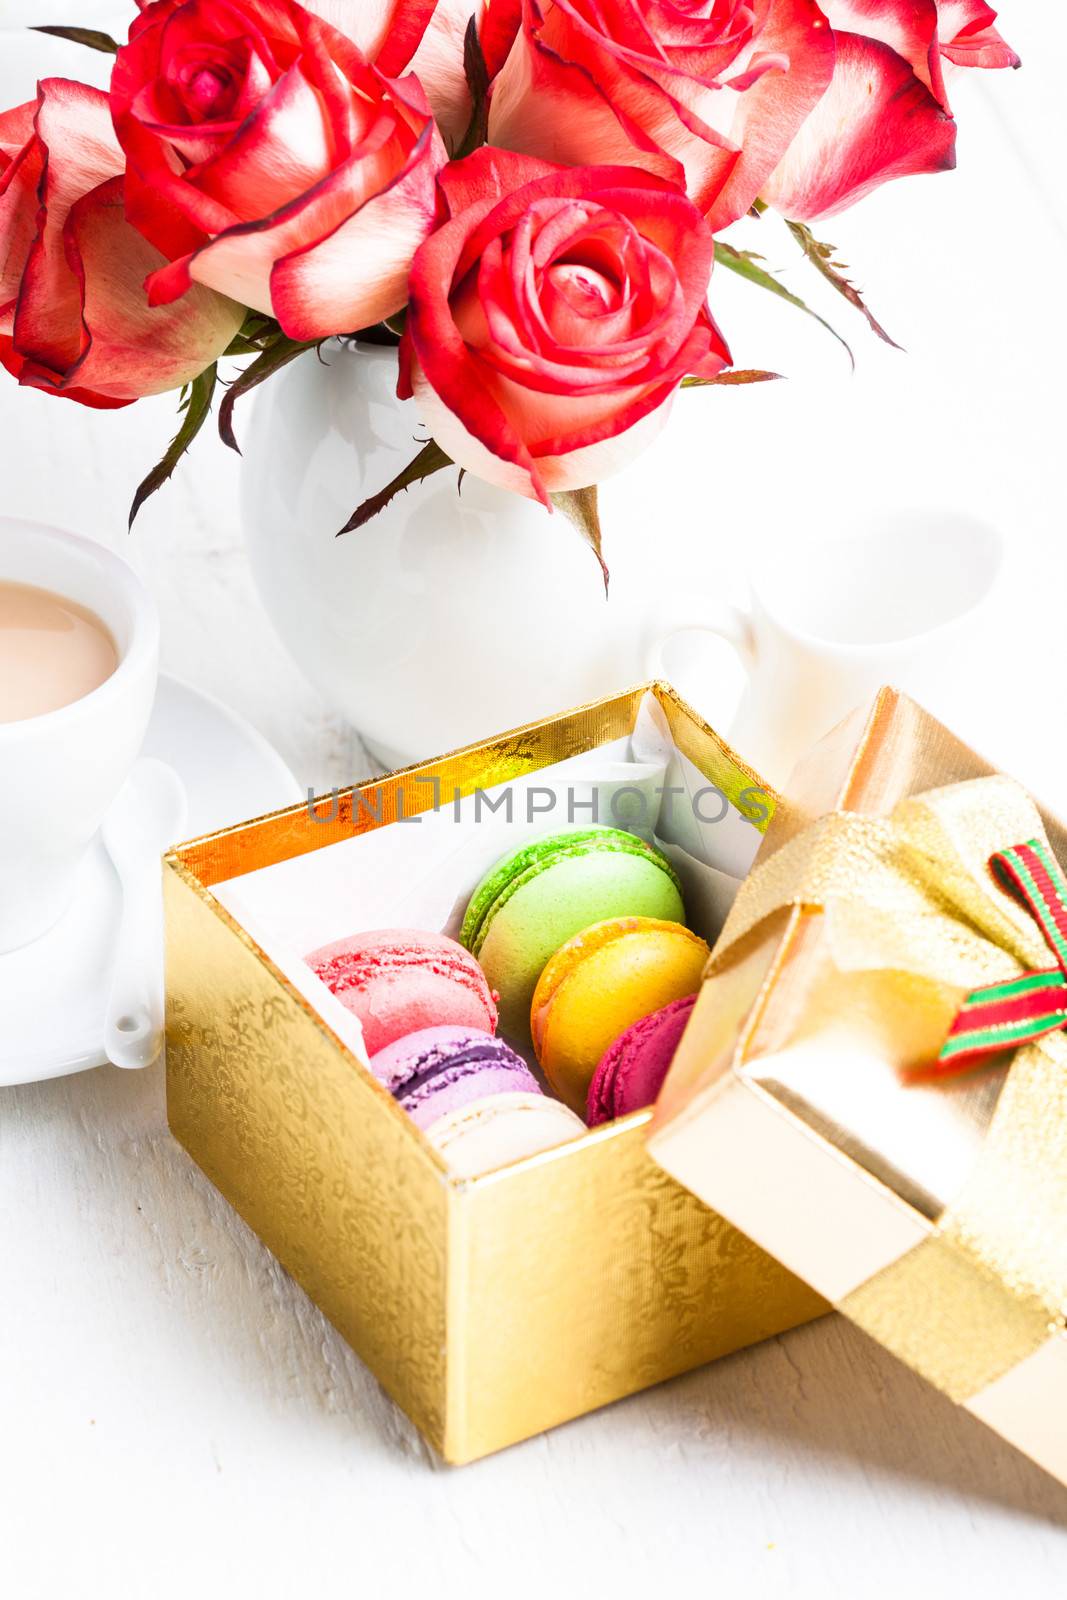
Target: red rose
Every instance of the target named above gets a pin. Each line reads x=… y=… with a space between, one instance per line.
x=886 y=113
x=73 y=315
x=269 y=161
x=553 y=316
x=708 y=95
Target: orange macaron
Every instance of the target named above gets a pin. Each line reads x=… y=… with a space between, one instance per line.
x=598 y=984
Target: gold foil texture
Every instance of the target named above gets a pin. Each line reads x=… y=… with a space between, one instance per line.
x=492 y=1308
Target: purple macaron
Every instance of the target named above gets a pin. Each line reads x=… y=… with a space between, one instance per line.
x=437 y=1070
x=631 y=1071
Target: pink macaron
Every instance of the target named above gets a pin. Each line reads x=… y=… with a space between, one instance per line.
x=401 y=980
x=631 y=1071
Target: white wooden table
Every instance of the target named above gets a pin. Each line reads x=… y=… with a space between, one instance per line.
x=175 y=1416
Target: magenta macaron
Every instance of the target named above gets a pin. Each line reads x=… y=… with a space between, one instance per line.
x=631 y=1071
x=400 y=980
x=438 y=1070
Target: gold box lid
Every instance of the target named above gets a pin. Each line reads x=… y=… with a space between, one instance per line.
x=931 y=1211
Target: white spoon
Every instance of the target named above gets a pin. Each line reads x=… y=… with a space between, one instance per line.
x=148 y=816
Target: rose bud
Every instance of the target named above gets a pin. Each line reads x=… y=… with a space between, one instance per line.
x=269 y=161
x=553 y=316
x=74 y=318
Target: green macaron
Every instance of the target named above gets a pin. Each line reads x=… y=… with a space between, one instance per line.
x=537 y=897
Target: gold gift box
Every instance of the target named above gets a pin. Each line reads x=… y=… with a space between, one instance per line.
x=931 y=1211
x=489 y=1309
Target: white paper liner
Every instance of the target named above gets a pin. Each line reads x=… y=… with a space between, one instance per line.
x=420 y=873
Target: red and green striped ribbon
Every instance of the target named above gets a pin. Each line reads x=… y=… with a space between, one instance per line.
x=1004 y=1016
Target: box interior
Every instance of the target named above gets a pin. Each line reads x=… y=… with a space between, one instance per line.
x=408 y=850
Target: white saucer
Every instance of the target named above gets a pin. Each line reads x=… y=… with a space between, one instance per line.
x=53 y=993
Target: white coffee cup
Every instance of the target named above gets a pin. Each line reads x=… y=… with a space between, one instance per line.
x=903 y=601
x=59 y=772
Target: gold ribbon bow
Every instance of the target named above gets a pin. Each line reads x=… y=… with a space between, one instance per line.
x=909 y=905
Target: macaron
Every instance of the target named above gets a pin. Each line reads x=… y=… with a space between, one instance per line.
x=601 y=982
x=438 y=1070
x=537 y=897
x=488 y=1134
x=399 y=980
x=631 y=1071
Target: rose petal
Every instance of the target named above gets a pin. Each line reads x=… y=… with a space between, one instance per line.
x=387 y=32
x=315 y=291
x=968 y=37
x=670 y=104
x=423 y=36
x=592 y=463
x=21 y=165
x=16 y=130
x=497 y=30
x=557 y=425
x=240 y=261
x=600 y=360
x=167 y=210
x=438 y=65
x=508 y=464
x=74 y=131
x=488 y=175
x=910 y=27
x=576 y=183
x=129 y=349
x=31 y=376
x=708 y=104
x=877 y=121
x=575 y=470
x=283 y=148
x=547 y=105
x=718 y=355
x=434 y=347
x=773 y=112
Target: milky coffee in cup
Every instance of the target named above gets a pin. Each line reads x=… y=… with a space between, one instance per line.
x=53 y=651
x=79 y=644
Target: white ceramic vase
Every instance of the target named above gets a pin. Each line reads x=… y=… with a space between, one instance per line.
x=455 y=613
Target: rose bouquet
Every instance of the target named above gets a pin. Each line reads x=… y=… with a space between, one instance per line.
x=525 y=197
